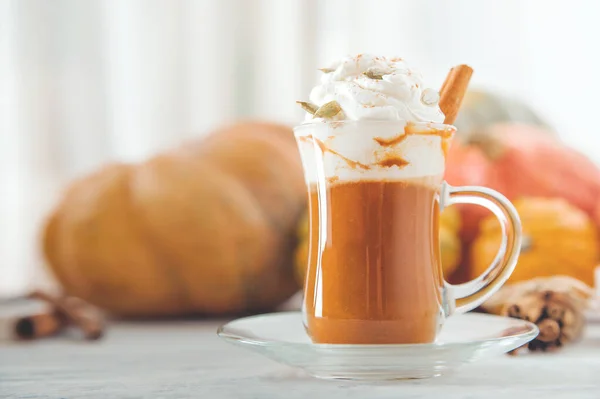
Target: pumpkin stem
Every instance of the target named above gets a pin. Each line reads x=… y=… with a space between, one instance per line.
x=488 y=143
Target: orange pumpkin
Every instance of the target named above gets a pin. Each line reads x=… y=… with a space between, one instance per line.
x=521 y=160
x=558 y=239
x=208 y=227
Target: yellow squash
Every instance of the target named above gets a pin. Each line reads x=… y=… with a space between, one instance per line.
x=558 y=238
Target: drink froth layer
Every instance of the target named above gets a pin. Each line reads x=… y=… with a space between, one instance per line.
x=338 y=151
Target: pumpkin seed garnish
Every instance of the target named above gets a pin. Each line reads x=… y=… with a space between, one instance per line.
x=326 y=70
x=308 y=107
x=328 y=110
x=374 y=73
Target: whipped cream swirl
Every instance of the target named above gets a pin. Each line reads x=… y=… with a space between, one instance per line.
x=380 y=88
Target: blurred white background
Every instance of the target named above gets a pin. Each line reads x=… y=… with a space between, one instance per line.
x=84 y=82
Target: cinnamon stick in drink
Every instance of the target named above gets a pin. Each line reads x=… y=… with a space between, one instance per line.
x=453 y=91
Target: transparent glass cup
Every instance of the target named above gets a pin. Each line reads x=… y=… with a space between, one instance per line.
x=374 y=273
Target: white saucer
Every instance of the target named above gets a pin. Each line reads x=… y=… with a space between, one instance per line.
x=464 y=339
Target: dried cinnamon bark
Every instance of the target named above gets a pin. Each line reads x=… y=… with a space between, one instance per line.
x=555 y=304
x=74 y=311
x=37 y=325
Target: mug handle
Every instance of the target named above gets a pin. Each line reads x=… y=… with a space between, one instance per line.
x=468 y=296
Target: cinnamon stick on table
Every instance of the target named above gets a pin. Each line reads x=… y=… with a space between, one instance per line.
x=77 y=312
x=556 y=304
x=37 y=325
x=30 y=325
x=453 y=91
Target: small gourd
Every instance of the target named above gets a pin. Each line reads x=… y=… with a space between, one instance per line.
x=558 y=239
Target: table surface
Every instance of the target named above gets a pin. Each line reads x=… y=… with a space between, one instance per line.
x=185 y=359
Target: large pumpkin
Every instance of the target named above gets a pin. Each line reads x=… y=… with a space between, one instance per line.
x=450 y=245
x=558 y=239
x=207 y=228
x=521 y=160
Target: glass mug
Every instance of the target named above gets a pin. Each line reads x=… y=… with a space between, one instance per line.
x=374 y=273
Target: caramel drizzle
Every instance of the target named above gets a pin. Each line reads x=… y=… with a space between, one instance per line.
x=390 y=142
x=393 y=161
x=324 y=149
x=445 y=147
x=390 y=160
x=410 y=130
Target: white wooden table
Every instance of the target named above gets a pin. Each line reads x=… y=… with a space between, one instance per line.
x=186 y=359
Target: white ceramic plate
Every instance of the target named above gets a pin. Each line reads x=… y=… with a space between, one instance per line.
x=464 y=339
